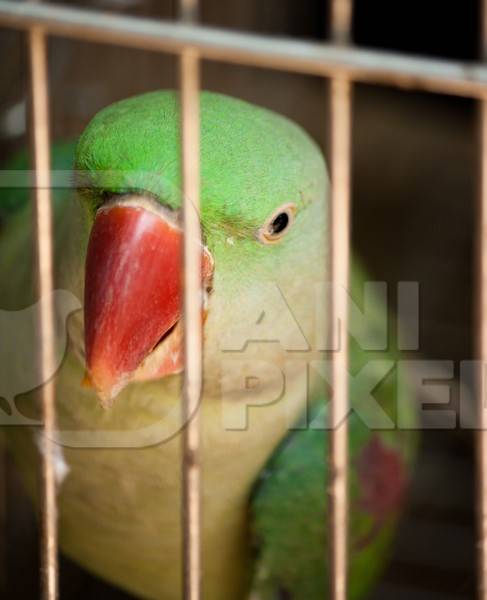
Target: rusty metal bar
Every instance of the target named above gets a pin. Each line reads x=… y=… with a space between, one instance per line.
x=443 y=76
x=340 y=256
x=341 y=113
x=193 y=342
x=341 y=20
x=188 y=11
x=4 y=484
x=43 y=230
x=482 y=388
x=482 y=335
x=191 y=509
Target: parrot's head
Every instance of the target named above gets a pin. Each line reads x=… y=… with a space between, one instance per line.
x=263 y=216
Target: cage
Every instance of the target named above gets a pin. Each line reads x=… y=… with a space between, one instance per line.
x=415 y=105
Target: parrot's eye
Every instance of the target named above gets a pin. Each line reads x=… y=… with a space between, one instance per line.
x=277 y=224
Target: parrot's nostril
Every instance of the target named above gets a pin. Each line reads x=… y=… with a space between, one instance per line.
x=164 y=337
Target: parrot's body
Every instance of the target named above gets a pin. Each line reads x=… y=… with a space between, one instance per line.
x=264 y=195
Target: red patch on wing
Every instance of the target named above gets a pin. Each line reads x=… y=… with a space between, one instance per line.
x=383 y=478
x=383 y=483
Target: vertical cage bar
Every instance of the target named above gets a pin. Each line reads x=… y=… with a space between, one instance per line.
x=341 y=20
x=191 y=484
x=482 y=343
x=340 y=233
x=482 y=335
x=191 y=509
x=4 y=484
x=44 y=247
x=188 y=11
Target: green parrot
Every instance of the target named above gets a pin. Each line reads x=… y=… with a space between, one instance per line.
x=264 y=203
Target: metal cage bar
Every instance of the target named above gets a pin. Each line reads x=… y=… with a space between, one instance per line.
x=44 y=247
x=341 y=21
x=482 y=336
x=192 y=317
x=189 y=11
x=339 y=406
x=482 y=351
x=341 y=15
x=192 y=326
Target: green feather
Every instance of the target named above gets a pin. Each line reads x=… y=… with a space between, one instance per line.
x=251 y=158
x=289 y=501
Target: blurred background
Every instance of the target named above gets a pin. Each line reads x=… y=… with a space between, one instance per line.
x=414 y=219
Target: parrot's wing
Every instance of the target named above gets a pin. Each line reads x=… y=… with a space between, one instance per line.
x=288 y=509
x=288 y=506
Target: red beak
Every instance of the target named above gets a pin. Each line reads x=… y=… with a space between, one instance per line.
x=132 y=292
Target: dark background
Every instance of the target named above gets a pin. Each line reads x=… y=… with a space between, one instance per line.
x=414 y=219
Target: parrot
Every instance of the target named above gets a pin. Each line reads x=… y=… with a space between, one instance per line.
x=264 y=408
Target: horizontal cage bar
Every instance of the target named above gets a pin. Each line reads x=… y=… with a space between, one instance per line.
x=449 y=77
